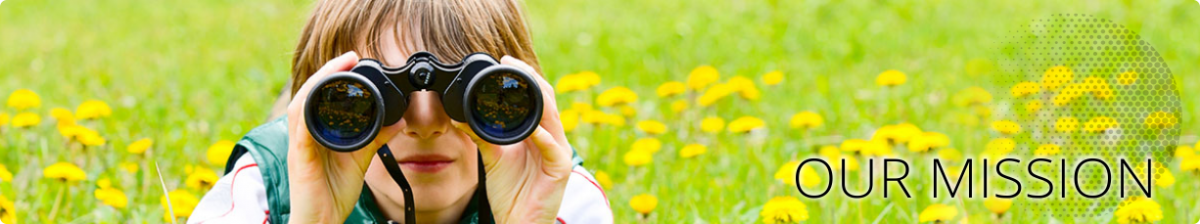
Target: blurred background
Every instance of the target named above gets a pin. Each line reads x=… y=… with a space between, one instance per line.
x=161 y=88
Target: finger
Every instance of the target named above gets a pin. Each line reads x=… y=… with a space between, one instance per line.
x=490 y=152
x=550 y=115
x=555 y=159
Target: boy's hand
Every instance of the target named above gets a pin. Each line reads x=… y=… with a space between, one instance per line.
x=325 y=184
x=526 y=180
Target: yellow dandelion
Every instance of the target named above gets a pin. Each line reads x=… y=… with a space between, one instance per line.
x=876 y=148
x=1033 y=106
x=937 y=213
x=1024 y=89
x=806 y=120
x=1098 y=87
x=1100 y=124
x=1069 y=94
x=1047 y=150
x=4 y=119
x=784 y=209
x=62 y=116
x=202 y=179
x=744 y=86
x=65 y=172
x=1127 y=78
x=1138 y=210
x=219 y=152
x=651 y=145
x=896 y=134
x=139 y=146
x=713 y=94
x=973 y=96
x=652 y=127
x=701 y=76
x=638 y=157
x=92 y=109
x=1162 y=176
x=589 y=77
x=24 y=99
x=853 y=145
x=1190 y=164
x=997 y=205
x=5 y=175
x=1006 y=127
x=8 y=212
x=787 y=174
x=91 y=139
x=128 y=167
x=643 y=203
x=692 y=150
x=745 y=124
x=628 y=111
x=950 y=154
x=834 y=156
x=1184 y=151
x=670 y=89
x=772 y=78
x=111 y=197
x=26 y=119
x=679 y=105
x=1161 y=120
x=928 y=141
x=1066 y=124
x=182 y=203
x=577 y=82
x=712 y=124
x=603 y=179
x=1056 y=76
x=1000 y=146
x=616 y=96
x=569 y=119
x=891 y=78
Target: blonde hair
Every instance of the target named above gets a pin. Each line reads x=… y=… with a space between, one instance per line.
x=450 y=29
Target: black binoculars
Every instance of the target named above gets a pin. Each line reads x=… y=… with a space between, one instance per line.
x=502 y=104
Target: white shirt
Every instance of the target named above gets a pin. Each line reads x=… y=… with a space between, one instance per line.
x=241 y=197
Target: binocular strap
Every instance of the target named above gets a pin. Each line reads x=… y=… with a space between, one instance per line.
x=484 y=210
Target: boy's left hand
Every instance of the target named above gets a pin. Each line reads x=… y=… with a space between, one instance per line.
x=526 y=180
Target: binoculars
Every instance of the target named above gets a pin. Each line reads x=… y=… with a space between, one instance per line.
x=346 y=110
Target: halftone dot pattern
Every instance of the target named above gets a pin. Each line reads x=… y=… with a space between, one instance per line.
x=1080 y=87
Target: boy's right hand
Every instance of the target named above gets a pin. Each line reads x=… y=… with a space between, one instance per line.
x=325 y=184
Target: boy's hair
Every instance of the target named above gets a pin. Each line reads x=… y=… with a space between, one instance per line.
x=450 y=29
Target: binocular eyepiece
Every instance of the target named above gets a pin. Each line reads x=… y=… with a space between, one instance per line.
x=501 y=103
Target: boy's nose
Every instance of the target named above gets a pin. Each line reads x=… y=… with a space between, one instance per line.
x=425 y=118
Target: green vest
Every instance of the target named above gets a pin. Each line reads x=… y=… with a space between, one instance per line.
x=268 y=145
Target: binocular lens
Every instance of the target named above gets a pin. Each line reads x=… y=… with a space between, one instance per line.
x=345 y=111
x=502 y=104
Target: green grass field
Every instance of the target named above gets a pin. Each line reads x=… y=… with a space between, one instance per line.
x=187 y=74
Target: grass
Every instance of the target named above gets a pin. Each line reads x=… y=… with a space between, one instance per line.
x=190 y=73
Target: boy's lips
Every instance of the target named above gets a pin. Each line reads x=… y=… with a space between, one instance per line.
x=426 y=163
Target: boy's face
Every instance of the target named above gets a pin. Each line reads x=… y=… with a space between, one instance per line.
x=439 y=161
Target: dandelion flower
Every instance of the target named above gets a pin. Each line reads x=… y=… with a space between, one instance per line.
x=616 y=96
x=1098 y=87
x=950 y=154
x=1127 y=78
x=1161 y=120
x=787 y=174
x=652 y=127
x=679 y=105
x=1184 y=151
x=569 y=119
x=973 y=96
x=745 y=124
x=651 y=145
x=853 y=145
x=5 y=176
x=876 y=148
x=92 y=109
x=928 y=141
x=4 y=119
x=219 y=152
x=896 y=134
x=670 y=89
x=997 y=205
x=712 y=124
x=1033 y=106
x=182 y=203
x=1025 y=89
x=1066 y=124
x=701 y=76
x=139 y=146
x=937 y=213
x=1069 y=94
x=65 y=172
x=25 y=119
x=713 y=94
x=1047 y=150
x=744 y=87
x=202 y=179
x=784 y=209
x=999 y=147
x=111 y=197
x=603 y=179
x=62 y=116
x=692 y=150
x=91 y=138
x=1006 y=127
x=806 y=120
x=891 y=78
x=577 y=82
x=1138 y=210
x=772 y=78
x=24 y=99
x=128 y=167
x=1056 y=76
x=1100 y=124
x=1190 y=164
x=638 y=158
x=8 y=212
x=643 y=203
x=628 y=111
